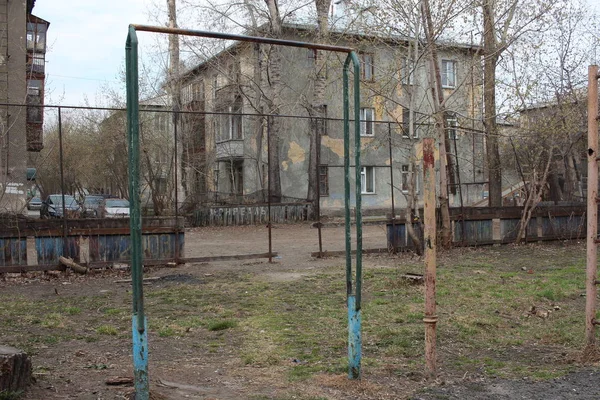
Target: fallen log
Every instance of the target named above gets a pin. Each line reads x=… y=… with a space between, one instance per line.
x=15 y=369
x=73 y=265
x=119 y=380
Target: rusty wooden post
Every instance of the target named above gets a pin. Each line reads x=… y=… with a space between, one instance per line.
x=592 y=208
x=430 y=255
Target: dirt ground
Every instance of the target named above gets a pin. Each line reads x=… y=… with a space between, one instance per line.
x=181 y=369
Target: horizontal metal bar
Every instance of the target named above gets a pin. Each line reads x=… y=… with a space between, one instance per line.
x=343 y=252
x=241 y=38
x=104 y=264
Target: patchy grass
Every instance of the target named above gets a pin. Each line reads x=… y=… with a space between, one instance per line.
x=221 y=325
x=107 y=330
x=10 y=395
x=299 y=328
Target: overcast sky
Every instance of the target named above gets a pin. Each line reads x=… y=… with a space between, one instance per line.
x=86 y=43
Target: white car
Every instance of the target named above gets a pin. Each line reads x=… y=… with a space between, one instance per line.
x=114 y=208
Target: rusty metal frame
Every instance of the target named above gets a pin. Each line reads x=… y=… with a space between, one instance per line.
x=353 y=293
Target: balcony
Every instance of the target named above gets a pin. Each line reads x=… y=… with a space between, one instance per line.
x=229 y=149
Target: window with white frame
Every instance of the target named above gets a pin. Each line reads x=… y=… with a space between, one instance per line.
x=404 y=177
x=406 y=124
x=367 y=180
x=451 y=125
x=407 y=71
x=367 y=66
x=449 y=74
x=36 y=36
x=230 y=125
x=367 y=124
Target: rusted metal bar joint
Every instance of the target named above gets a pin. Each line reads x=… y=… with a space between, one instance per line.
x=431 y=319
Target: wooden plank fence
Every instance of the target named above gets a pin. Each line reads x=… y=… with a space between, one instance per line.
x=494 y=225
x=251 y=214
x=107 y=240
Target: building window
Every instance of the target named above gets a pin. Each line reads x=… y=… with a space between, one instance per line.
x=233 y=73
x=230 y=126
x=323 y=180
x=405 y=177
x=367 y=125
x=406 y=124
x=36 y=62
x=448 y=74
x=367 y=66
x=407 y=72
x=36 y=37
x=235 y=170
x=451 y=125
x=34 y=98
x=161 y=121
x=215 y=86
x=197 y=90
x=367 y=180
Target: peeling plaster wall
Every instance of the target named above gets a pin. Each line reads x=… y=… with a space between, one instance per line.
x=294 y=151
x=12 y=120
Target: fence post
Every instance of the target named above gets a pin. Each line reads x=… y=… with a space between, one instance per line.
x=269 y=187
x=592 y=210
x=430 y=256
x=392 y=189
x=62 y=183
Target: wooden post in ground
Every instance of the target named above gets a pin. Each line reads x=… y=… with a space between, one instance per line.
x=430 y=255
x=592 y=209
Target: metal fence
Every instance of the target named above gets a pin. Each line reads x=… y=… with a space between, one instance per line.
x=199 y=163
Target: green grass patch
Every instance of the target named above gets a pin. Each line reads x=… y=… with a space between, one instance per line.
x=221 y=325
x=107 y=330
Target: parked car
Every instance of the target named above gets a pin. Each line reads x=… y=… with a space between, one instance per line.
x=114 y=208
x=91 y=204
x=53 y=206
x=34 y=203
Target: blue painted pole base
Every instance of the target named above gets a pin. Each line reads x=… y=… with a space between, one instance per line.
x=354 y=339
x=140 y=360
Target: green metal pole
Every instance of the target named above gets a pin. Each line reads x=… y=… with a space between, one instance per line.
x=139 y=332
x=353 y=298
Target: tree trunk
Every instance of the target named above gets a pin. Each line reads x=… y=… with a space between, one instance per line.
x=15 y=369
x=318 y=107
x=491 y=51
x=438 y=107
x=274 y=102
x=408 y=215
x=174 y=88
x=535 y=193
